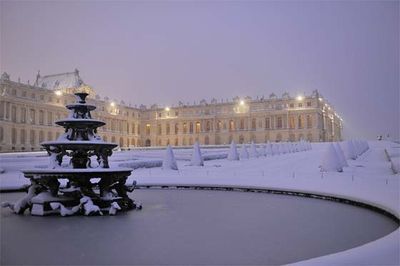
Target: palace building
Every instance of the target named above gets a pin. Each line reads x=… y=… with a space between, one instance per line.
x=28 y=112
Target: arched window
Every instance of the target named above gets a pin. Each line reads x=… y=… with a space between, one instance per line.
x=299 y=122
x=242 y=124
x=241 y=139
x=291 y=122
x=206 y=140
x=167 y=130
x=279 y=123
x=191 y=128
x=148 y=143
x=1 y=134
x=253 y=124
x=41 y=136
x=267 y=123
x=133 y=128
x=191 y=141
x=176 y=141
x=121 y=142
x=13 y=136
x=184 y=141
x=184 y=128
x=113 y=139
x=219 y=125
x=208 y=126
x=32 y=137
x=231 y=125
x=309 y=121
x=23 y=115
x=41 y=117
x=176 y=128
x=197 y=127
x=147 y=129
x=159 y=129
x=23 y=136
x=50 y=118
x=13 y=113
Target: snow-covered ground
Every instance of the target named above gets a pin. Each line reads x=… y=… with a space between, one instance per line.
x=368 y=179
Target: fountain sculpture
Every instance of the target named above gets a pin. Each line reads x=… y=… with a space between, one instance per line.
x=89 y=189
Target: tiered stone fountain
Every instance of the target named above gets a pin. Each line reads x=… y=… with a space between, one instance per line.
x=91 y=186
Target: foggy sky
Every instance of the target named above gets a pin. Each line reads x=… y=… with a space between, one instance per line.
x=163 y=52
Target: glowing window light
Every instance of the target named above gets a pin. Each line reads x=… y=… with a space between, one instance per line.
x=58 y=93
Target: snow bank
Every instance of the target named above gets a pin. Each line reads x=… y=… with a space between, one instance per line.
x=253 y=150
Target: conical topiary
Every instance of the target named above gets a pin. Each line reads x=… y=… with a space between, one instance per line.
x=169 y=162
x=197 y=159
x=233 y=154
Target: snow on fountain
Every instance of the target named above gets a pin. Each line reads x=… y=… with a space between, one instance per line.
x=81 y=195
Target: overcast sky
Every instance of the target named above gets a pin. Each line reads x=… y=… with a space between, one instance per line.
x=164 y=52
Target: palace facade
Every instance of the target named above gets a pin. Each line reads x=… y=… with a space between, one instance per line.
x=28 y=112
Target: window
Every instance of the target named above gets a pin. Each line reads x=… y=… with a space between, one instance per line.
x=291 y=122
x=267 y=123
x=300 y=105
x=49 y=118
x=253 y=124
x=49 y=135
x=176 y=128
x=308 y=104
x=231 y=125
x=14 y=92
x=176 y=113
x=41 y=117
x=159 y=115
x=23 y=136
x=208 y=126
x=32 y=137
x=41 y=136
x=168 y=129
x=24 y=94
x=23 y=115
x=32 y=116
x=1 y=134
x=197 y=127
x=241 y=124
x=33 y=96
x=219 y=125
x=291 y=105
x=184 y=128
x=159 y=129
x=191 y=129
x=299 y=122
x=279 y=122
x=133 y=128
x=147 y=129
x=13 y=136
x=309 y=121
x=13 y=113
x=42 y=97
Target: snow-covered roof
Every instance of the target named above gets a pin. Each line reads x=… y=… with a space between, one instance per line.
x=59 y=81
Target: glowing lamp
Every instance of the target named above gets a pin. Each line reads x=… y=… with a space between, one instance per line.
x=58 y=93
x=241 y=102
x=112 y=104
x=167 y=109
x=300 y=98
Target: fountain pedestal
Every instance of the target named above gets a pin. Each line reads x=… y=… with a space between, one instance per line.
x=90 y=189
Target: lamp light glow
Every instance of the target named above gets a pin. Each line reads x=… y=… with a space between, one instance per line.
x=241 y=102
x=167 y=109
x=112 y=104
x=58 y=93
x=300 y=98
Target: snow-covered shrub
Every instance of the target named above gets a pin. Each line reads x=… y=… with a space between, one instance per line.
x=330 y=161
x=233 y=153
x=169 y=162
x=197 y=159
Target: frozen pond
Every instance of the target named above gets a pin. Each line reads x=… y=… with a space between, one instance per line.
x=193 y=227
